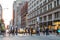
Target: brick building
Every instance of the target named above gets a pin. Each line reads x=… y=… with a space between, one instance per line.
x=24 y=11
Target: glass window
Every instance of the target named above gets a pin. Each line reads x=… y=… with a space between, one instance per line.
x=50 y=6
x=40 y=0
x=40 y=18
x=45 y=2
x=40 y=4
x=37 y=11
x=37 y=2
x=44 y=18
x=45 y=9
x=57 y=2
x=54 y=3
x=57 y=15
x=49 y=0
x=50 y=17
x=40 y=10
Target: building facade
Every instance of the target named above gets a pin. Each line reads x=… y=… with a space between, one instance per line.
x=48 y=12
x=14 y=13
x=24 y=11
x=0 y=12
x=17 y=13
x=0 y=15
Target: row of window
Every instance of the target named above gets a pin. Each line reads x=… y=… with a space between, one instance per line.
x=44 y=9
x=56 y=16
x=37 y=2
x=41 y=4
x=32 y=21
x=31 y=2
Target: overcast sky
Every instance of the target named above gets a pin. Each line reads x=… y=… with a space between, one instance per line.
x=7 y=9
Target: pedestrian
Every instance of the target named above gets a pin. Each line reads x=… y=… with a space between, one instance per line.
x=38 y=31
x=29 y=31
x=57 y=31
x=26 y=31
x=9 y=32
x=47 y=31
x=16 y=31
x=13 y=31
x=44 y=30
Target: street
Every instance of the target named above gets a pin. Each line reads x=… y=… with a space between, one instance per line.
x=33 y=37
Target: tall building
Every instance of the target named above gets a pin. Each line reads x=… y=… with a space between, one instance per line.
x=17 y=5
x=2 y=25
x=24 y=11
x=14 y=13
x=0 y=12
x=47 y=11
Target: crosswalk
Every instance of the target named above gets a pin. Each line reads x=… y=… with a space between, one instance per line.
x=29 y=37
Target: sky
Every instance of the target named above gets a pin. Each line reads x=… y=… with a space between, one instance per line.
x=7 y=6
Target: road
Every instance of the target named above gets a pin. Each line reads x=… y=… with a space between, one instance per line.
x=34 y=37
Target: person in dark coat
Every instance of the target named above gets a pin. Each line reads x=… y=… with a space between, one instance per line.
x=57 y=31
x=38 y=31
x=16 y=30
x=29 y=31
x=47 y=31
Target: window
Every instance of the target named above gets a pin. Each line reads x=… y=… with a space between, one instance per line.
x=37 y=7
x=37 y=2
x=54 y=3
x=40 y=4
x=34 y=4
x=57 y=15
x=37 y=11
x=44 y=18
x=45 y=9
x=41 y=10
x=45 y=2
x=34 y=0
x=50 y=6
x=50 y=17
x=40 y=18
x=49 y=0
x=40 y=0
x=57 y=2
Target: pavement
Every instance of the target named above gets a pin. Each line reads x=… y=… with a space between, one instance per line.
x=29 y=37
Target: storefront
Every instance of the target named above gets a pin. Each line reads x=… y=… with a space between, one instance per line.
x=57 y=25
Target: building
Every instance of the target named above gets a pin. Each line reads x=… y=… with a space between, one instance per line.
x=17 y=5
x=48 y=12
x=0 y=12
x=14 y=13
x=24 y=11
